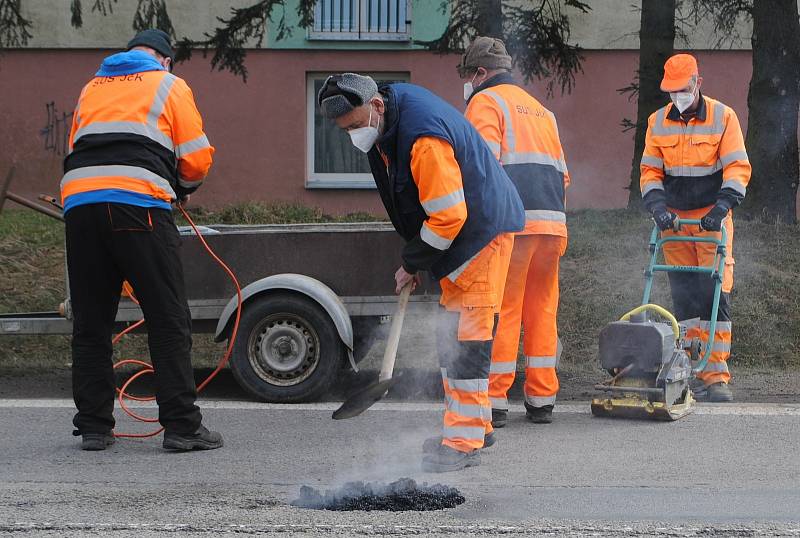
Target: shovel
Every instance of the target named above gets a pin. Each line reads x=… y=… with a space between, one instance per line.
x=364 y=398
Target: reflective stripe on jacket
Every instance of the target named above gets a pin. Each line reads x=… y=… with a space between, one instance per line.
x=523 y=135
x=441 y=190
x=695 y=164
x=137 y=132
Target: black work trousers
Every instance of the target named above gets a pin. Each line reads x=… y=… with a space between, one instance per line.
x=463 y=359
x=106 y=244
x=693 y=297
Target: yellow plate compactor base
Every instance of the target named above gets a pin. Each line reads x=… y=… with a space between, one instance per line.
x=634 y=406
x=650 y=367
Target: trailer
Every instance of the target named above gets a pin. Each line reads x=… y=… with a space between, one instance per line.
x=315 y=297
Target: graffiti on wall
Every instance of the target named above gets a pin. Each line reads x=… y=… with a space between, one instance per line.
x=56 y=132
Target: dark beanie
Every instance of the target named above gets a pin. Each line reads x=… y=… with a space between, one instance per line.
x=157 y=40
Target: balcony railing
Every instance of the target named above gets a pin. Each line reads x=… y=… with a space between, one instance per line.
x=367 y=20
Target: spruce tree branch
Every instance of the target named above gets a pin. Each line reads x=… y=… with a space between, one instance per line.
x=536 y=34
x=725 y=14
x=153 y=14
x=14 y=28
x=244 y=26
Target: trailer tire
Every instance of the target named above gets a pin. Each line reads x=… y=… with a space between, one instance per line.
x=288 y=349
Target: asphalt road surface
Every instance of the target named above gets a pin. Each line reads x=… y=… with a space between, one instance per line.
x=725 y=471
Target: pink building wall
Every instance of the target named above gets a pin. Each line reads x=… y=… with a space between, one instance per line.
x=259 y=128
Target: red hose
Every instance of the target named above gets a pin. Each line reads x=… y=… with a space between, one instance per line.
x=147 y=368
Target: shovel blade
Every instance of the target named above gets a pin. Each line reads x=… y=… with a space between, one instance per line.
x=363 y=399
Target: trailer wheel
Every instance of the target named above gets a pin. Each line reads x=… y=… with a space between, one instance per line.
x=288 y=349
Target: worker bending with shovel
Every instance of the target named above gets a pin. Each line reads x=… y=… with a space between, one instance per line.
x=695 y=166
x=523 y=136
x=449 y=198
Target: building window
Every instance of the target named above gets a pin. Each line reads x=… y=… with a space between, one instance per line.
x=367 y=20
x=332 y=160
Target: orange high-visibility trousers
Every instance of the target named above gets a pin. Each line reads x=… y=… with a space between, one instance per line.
x=692 y=294
x=472 y=297
x=530 y=300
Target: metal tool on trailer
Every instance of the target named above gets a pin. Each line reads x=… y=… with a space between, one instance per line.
x=648 y=357
x=5 y=194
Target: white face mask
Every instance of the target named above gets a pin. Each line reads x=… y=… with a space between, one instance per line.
x=364 y=137
x=469 y=88
x=683 y=100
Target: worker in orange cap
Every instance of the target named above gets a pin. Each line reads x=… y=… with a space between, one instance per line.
x=695 y=166
x=523 y=136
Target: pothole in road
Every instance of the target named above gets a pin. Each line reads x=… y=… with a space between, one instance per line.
x=399 y=496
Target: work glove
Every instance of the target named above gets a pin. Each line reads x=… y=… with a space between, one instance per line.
x=712 y=221
x=664 y=219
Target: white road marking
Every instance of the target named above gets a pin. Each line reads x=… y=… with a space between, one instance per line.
x=749 y=409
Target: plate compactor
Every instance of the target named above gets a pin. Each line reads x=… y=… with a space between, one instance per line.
x=647 y=352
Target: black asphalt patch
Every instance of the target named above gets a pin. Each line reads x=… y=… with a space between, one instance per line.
x=399 y=496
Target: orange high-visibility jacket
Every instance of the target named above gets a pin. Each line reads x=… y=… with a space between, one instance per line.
x=696 y=164
x=134 y=137
x=437 y=176
x=523 y=135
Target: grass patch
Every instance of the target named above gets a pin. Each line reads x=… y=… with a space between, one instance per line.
x=258 y=213
x=601 y=278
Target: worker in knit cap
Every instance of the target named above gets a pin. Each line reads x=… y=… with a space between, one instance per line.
x=456 y=209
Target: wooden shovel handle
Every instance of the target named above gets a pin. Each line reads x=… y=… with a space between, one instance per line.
x=387 y=366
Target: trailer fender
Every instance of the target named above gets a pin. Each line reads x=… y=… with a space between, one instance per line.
x=310 y=287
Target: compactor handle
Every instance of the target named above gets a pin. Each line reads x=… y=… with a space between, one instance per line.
x=658 y=310
x=678 y=222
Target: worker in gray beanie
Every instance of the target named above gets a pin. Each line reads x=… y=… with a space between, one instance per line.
x=450 y=200
x=342 y=93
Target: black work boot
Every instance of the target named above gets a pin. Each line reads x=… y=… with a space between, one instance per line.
x=718 y=392
x=699 y=389
x=447 y=459
x=97 y=441
x=202 y=439
x=539 y=415
x=432 y=444
x=499 y=418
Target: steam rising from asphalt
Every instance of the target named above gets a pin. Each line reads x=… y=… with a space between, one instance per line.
x=384 y=459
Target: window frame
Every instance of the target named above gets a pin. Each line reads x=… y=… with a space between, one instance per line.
x=336 y=180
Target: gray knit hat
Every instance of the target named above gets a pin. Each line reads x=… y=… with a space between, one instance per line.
x=486 y=52
x=342 y=93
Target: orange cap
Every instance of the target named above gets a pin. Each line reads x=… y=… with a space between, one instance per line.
x=678 y=71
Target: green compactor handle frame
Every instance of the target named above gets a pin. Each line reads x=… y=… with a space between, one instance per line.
x=715 y=271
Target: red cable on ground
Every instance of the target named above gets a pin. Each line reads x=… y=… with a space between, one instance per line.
x=147 y=368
